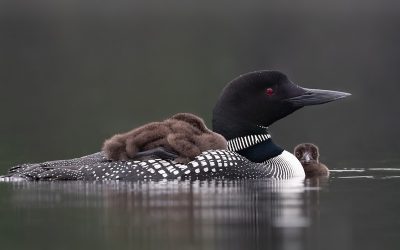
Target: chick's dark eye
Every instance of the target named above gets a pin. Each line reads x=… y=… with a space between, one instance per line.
x=269 y=91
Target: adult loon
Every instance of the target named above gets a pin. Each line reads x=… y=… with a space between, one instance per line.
x=242 y=114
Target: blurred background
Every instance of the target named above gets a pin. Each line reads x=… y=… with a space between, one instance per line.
x=73 y=73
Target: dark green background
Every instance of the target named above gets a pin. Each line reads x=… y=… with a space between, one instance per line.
x=73 y=73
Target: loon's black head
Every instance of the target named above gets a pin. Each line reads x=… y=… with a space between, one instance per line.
x=257 y=99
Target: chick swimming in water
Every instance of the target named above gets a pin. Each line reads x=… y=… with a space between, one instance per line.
x=181 y=137
x=308 y=155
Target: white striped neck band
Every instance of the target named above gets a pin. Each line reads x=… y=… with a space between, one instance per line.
x=241 y=143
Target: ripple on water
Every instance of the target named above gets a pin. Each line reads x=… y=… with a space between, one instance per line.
x=347 y=170
x=384 y=169
x=356 y=177
x=367 y=173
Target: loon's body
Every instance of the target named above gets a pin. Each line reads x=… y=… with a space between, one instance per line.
x=246 y=107
x=211 y=164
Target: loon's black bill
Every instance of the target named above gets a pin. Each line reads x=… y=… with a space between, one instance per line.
x=316 y=96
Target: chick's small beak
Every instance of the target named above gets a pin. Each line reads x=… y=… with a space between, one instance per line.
x=306 y=158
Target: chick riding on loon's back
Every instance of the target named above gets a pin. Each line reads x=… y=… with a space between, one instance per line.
x=181 y=138
x=244 y=110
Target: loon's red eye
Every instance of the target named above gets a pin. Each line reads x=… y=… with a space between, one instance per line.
x=269 y=91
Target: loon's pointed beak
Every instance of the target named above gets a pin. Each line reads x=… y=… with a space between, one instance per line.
x=316 y=96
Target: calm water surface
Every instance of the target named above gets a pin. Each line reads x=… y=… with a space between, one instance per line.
x=356 y=208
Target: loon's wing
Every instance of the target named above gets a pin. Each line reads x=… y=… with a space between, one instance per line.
x=76 y=162
x=212 y=164
x=32 y=171
x=70 y=169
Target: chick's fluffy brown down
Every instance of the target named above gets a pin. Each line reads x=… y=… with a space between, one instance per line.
x=184 y=134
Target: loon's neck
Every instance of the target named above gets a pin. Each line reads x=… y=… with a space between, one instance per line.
x=232 y=128
x=256 y=148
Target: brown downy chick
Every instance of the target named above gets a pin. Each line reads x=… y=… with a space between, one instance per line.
x=184 y=134
x=308 y=155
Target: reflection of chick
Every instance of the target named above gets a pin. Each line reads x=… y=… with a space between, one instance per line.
x=184 y=134
x=308 y=155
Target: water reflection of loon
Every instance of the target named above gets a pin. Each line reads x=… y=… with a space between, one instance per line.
x=235 y=214
x=246 y=107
